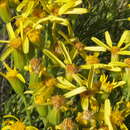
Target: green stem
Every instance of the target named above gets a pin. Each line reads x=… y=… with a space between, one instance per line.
x=114 y=57
x=10 y=31
x=127 y=78
x=26 y=108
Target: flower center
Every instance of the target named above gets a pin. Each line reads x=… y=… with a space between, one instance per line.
x=16 y=43
x=71 y=68
x=127 y=61
x=92 y=60
x=115 y=50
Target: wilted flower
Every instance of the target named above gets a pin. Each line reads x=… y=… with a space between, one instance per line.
x=67 y=124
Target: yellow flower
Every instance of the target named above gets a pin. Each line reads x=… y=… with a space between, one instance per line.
x=38 y=99
x=57 y=101
x=115 y=117
x=34 y=36
x=108 y=86
x=12 y=73
x=115 y=50
x=15 y=124
x=85 y=118
x=93 y=61
x=35 y=66
x=60 y=7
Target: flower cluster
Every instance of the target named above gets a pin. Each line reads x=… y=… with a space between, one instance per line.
x=47 y=75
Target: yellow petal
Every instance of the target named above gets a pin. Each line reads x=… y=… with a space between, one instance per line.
x=127 y=40
x=100 y=43
x=120 y=64
x=77 y=11
x=26 y=45
x=126 y=46
x=6 y=53
x=21 y=78
x=31 y=128
x=65 y=84
x=85 y=103
x=11 y=116
x=7 y=67
x=108 y=39
x=124 y=52
x=65 y=7
x=114 y=69
x=123 y=127
x=90 y=77
x=94 y=48
x=54 y=58
x=120 y=83
x=107 y=114
x=29 y=8
x=75 y=92
x=122 y=39
x=77 y=78
x=65 y=52
x=96 y=66
x=21 y=5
